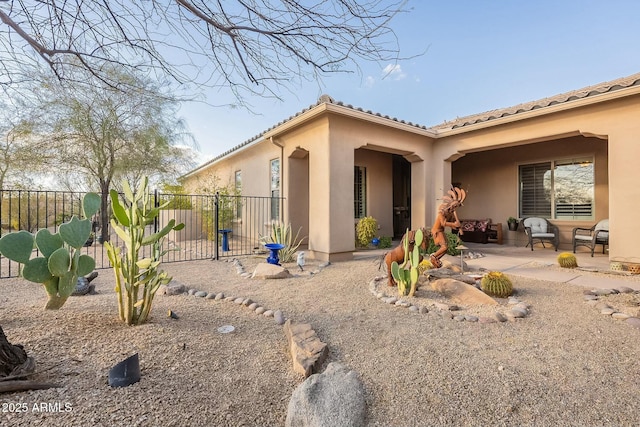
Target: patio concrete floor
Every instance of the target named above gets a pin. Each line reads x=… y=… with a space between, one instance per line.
x=516 y=260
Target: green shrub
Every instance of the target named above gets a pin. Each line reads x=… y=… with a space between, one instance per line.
x=366 y=230
x=385 y=242
x=452 y=242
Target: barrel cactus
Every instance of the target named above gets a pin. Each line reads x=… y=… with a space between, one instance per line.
x=496 y=284
x=567 y=260
x=60 y=262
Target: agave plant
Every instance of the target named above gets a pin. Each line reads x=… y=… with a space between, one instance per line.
x=281 y=233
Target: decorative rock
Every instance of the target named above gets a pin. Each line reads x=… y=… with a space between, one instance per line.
x=200 y=294
x=461 y=293
x=401 y=303
x=620 y=316
x=246 y=275
x=603 y=292
x=260 y=310
x=247 y=302
x=424 y=310
x=334 y=398
x=211 y=295
x=516 y=313
x=219 y=296
x=414 y=308
x=307 y=351
x=270 y=271
x=458 y=318
x=485 y=320
x=230 y=298
x=590 y=297
x=625 y=290
x=390 y=300
x=268 y=313
x=171 y=289
x=279 y=317
x=253 y=306
x=499 y=317
x=192 y=291
x=238 y=300
x=607 y=311
x=447 y=315
x=379 y=295
x=470 y=318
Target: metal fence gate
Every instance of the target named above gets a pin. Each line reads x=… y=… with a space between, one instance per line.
x=216 y=225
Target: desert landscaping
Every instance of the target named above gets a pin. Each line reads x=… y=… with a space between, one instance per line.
x=563 y=364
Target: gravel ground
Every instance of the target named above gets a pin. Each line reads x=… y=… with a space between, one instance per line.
x=564 y=365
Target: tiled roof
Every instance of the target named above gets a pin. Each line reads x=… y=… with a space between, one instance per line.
x=613 y=85
x=598 y=89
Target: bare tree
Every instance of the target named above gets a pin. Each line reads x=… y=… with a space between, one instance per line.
x=247 y=46
x=103 y=135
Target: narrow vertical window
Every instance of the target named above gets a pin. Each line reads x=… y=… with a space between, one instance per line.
x=275 y=189
x=360 y=191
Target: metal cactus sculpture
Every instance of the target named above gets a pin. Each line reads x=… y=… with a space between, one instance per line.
x=59 y=263
x=406 y=274
x=137 y=279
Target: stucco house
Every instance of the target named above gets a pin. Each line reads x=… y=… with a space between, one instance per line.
x=570 y=158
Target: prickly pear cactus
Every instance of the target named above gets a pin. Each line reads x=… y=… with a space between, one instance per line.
x=60 y=262
x=496 y=284
x=406 y=274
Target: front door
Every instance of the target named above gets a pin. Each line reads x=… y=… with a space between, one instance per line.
x=401 y=195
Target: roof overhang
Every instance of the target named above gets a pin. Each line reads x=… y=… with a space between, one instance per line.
x=538 y=112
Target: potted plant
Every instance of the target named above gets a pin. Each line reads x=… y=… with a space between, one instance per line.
x=512 y=223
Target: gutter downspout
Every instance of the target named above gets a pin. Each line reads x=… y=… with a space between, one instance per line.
x=277 y=144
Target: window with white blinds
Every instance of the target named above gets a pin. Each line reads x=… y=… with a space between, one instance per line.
x=560 y=189
x=360 y=191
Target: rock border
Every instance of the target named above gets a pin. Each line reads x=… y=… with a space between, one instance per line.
x=518 y=308
x=593 y=297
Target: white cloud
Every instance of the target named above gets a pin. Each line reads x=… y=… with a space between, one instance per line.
x=369 y=82
x=394 y=71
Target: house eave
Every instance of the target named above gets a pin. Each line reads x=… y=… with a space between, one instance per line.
x=349 y=112
x=552 y=109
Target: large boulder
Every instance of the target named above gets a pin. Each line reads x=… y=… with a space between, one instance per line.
x=270 y=271
x=332 y=398
x=461 y=293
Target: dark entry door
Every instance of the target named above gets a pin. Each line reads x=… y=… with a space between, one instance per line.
x=401 y=195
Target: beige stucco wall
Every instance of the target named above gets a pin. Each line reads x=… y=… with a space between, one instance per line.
x=320 y=148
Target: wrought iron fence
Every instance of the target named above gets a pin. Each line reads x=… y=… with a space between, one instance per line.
x=215 y=225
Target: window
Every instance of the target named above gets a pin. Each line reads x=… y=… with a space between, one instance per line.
x=360 y=191
x=560 y=189
x=238 y=188
x=275 y=189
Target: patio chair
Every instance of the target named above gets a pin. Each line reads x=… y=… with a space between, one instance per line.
x=590 y=237
x=540 y=230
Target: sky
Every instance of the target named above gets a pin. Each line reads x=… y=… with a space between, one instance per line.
x=479 y=55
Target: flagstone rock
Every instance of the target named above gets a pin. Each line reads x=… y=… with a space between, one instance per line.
x=307 y=351
x=461 y=293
